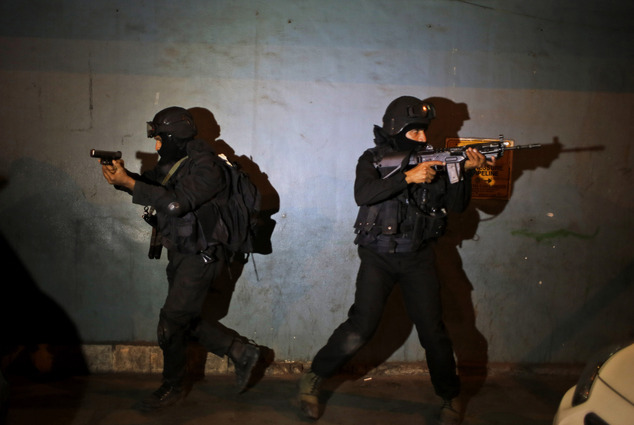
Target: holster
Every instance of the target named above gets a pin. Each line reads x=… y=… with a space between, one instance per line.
x=433 y=225
x=156 y=247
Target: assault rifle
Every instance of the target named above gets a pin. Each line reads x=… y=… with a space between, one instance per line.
x=452 y=158
x=105 y=157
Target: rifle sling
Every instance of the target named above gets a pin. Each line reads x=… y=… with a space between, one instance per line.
x=155 y=244
x=173 y=170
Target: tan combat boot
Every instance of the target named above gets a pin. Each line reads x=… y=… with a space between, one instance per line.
x=450 y=412
x=308 y=396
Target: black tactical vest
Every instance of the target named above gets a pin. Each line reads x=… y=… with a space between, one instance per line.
x=405 y=222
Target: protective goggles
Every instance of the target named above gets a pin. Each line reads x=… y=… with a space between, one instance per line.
x=152 y=130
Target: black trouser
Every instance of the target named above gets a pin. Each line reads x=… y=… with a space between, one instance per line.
x=189 y=279
x=378 y=273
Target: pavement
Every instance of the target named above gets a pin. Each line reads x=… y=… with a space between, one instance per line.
x=105 y=399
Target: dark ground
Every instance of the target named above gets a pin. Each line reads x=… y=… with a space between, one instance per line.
x=526 y=399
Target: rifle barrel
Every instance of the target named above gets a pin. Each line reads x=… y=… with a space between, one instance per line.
x=533 y=146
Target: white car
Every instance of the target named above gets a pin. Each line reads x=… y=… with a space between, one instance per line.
x=604 y=394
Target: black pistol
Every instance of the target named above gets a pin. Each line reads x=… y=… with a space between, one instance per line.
x=105 y=157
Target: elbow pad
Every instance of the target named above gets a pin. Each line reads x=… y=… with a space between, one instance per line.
x=174 y=209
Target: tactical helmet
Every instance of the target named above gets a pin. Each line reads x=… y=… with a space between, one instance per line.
x=173 y=122
x=406 y=113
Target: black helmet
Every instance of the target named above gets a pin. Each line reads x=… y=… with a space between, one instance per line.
x=406 y=113
x=173 y=122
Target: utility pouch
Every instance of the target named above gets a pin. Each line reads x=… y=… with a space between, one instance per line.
x=390 y=217
x=435 y=223
x=388 y=222
x=366 y=218
x=365 y=225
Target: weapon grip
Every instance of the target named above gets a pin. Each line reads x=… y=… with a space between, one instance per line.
x=105 y=157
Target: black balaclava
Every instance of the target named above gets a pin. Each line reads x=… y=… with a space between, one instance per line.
x=398 y=142
x=171 y=149
x=403 y=114
x=402 y=143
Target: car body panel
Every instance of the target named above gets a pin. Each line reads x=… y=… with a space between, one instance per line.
x=611 y=396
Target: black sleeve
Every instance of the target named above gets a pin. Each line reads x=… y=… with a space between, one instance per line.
x=370 y=188
x=198 y=181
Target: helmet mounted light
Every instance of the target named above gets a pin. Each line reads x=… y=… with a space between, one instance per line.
x=422 y=110
x=406 y=113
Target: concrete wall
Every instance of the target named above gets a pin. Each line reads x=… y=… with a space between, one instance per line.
x=296 y=86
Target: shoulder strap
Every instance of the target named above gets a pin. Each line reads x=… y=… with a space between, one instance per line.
x=173 y=170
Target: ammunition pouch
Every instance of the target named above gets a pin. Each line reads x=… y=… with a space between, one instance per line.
x=434 y=224
x=377 y=219
x=379 y=225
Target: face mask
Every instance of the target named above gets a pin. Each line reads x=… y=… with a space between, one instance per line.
x=405 y=144
x=171 y=150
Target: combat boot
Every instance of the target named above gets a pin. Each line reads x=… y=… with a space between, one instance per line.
x=450 y=412
x=166 y=395
x=244 y=355
x=309 y=389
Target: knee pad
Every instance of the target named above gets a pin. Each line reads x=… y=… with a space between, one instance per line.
x=165 y=330
x=353 y=342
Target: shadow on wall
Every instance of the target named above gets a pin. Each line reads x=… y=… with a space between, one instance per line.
x=39 y=339
x=221 y=291
x=209 y=130
x=470 y=345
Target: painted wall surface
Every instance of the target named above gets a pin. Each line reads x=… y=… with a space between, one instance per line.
x=296 y=86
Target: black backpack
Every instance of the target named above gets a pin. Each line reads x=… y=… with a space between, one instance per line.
x=241 y=225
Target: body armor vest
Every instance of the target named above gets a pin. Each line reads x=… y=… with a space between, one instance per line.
x=405 y=222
